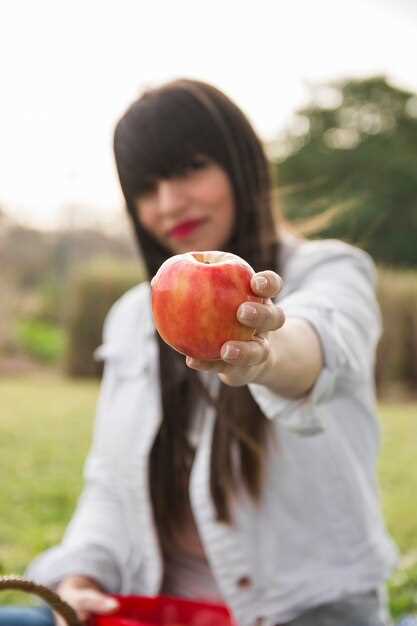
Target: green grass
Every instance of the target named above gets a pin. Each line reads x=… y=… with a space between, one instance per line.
x=45 y=427
x=398 y=477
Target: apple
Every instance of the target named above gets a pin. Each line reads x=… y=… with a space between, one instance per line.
x=195 y=298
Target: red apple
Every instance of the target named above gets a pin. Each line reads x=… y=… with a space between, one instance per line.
x=195 y=298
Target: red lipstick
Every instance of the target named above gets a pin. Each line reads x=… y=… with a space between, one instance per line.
x=185 y=229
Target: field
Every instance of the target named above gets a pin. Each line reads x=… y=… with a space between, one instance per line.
x=45 y=426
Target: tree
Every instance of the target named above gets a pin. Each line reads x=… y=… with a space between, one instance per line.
x=354 y=149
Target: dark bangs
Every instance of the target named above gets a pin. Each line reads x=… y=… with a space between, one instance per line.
x=160 y=137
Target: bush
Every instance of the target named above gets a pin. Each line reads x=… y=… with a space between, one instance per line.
x=397 y=351
x=41 y=340
x=337 y=156
x=92 y=291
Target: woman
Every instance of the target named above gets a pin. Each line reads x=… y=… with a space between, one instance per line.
x=251 y=480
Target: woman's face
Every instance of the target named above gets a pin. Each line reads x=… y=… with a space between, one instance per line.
x=190 y=212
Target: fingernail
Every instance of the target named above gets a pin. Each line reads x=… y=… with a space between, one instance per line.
x=111 y=603
x=231 y=353
x=248 y=312
x=261 y=282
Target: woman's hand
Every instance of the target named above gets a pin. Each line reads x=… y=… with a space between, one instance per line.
x=85 y=597
x=242 y=362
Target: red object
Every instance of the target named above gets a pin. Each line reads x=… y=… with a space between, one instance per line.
x=164 y=611
x=195 y=298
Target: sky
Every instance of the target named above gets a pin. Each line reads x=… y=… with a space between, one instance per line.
x=69 y=69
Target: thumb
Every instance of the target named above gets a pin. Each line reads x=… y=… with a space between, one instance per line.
x=94 y=601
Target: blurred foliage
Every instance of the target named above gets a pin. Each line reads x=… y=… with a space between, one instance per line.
x=352 y=152
x=403 y=594
x=51 y=293
x=36 y=267
x=91 y=293
x=32 y=258
x=397 y=350
x=42 y=340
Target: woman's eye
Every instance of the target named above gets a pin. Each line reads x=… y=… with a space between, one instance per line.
x=197 y=164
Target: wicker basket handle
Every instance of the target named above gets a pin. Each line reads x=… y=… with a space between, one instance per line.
x=55 y=602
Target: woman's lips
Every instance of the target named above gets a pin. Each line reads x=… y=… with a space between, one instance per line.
x=185 y=229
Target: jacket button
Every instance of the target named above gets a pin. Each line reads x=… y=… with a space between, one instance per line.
x=244 y=582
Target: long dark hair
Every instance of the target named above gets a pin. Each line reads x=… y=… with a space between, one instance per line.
x=160 y=136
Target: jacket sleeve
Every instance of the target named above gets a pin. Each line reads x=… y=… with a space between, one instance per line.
x=334 y=291
x=96 y=542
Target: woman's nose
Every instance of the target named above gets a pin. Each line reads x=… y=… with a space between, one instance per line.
x=170 y=195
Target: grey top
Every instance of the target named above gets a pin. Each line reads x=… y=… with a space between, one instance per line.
x=318 y=533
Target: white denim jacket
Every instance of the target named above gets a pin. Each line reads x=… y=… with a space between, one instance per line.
x=318 y=533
